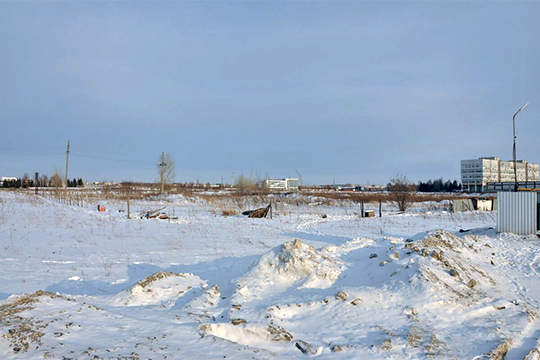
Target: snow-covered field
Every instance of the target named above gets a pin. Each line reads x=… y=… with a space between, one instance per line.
x=314 y=281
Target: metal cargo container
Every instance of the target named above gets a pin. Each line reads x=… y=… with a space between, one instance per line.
x=517 y=212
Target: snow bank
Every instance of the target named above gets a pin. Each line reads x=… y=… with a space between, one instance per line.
x=161 y=288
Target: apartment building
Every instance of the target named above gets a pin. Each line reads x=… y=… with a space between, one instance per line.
x=477 y=173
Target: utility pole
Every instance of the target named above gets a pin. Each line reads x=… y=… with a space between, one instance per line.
x=299 y=178
x=67 y=163
x=514 y=148
x=162 y=172
x=128 y=213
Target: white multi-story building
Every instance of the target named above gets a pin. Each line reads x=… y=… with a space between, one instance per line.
x=281 y=184
x=477 y=173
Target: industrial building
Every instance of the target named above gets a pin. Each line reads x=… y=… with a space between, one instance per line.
x=281 y=184
x=479 y=175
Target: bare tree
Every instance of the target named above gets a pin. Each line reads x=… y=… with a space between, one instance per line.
x=43 y=180
x=25 y=180
x=56 y=180
x=244 y=185
x=167 y=170
x=401 y=192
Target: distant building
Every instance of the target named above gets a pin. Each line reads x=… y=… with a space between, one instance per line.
x=281 y=184
x=478 y=173
x=7 y=178
x=352 y=187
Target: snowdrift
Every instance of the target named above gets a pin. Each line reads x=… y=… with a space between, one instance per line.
x=161 y=288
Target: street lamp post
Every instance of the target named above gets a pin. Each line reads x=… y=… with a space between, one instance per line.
x=515 y=161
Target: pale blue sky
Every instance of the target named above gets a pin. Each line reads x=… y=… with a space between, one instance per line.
x=353 y=91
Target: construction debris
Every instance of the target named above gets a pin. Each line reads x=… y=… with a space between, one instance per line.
x=152 y=214
x=157 y=214
x=259 y=213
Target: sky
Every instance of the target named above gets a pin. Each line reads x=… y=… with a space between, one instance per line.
x=339 y=91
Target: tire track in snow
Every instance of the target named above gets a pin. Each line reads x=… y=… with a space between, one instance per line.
x=307 y=231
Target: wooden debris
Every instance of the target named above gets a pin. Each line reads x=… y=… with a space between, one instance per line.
x=259 y=213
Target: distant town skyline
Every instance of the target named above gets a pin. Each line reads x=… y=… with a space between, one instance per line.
x=351 y=92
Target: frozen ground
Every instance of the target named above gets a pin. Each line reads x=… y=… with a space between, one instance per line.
x=78 y=284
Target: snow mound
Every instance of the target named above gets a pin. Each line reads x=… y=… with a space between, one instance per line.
x=443 y=239
x=457 y=258
x=299 y=261
x=256 y=335
x=24 y=331
x=203 y=307
x=55 y=326
x=291 y=264
x=161 y=288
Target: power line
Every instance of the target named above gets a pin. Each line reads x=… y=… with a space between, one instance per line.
x=119 y=154
x=54 y=153
x=31 y=149
x=37 y=152
x=109 y=159
x=57 y=151
x=32 y=154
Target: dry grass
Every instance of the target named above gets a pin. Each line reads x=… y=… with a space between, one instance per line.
x=500 y=351
x=230 y=201
x=375 y=197
x=229 y=212
x=157 y=276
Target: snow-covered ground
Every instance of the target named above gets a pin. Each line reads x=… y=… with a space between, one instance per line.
x=316 y=280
